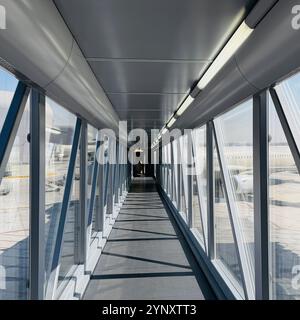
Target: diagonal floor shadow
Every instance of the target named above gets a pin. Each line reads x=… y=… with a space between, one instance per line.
x=146 y=260
x=159 y=253
x=142 y=220
x=143 y=231
x=141 y=239
x=142 y=275
x=140 y=215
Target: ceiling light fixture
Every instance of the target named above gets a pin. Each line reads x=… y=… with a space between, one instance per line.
x=188 y=101
x=171 y=122
x=235 y=42
x=164 y=131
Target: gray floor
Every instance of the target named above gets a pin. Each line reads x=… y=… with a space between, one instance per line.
x=146 y=256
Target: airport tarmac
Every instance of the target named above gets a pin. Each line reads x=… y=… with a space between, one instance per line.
x=284 y=229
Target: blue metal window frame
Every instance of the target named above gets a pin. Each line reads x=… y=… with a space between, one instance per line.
x=94 y=186
x=64 y=210
x=11 y=124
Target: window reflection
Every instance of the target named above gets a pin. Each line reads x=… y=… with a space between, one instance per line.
x=67 y=259
x=14 y=214
x=106 y=173
x=226 y=249
x=284 y=182
x=200 y=183
x=8 y=85
x=289 y=94
x=164 y=168
x=235 y=139
x=197 y=217
x=183 y=141
x=60 y=127
x=176 y=163
x=92 y=144
x=155 y=163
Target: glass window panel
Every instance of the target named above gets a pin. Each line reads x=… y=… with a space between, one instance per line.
x=185 y=171
x=225 y=245
x=200 y=180
x=183 y=208
x=169 y=169
x=164 y=167
x=92 y=143
x=67 y=259
x=176 y=162
x=197 y=218
x=289 y=94
x=92 y=140
x=106 y=174
x=116 y=177
x=95 y=211
x=106 y=171
x=166 y=170
x=284 y=189
x=235 y=138
x=60 y=127
x=14 y=217
x=8 y=85
x=155 y=162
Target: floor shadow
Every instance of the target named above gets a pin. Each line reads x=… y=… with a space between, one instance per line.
x=146 y=260
x=142 y=275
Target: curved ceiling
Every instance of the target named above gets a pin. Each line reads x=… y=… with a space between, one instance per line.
x=148 y=54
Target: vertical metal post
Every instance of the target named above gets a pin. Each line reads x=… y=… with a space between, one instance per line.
x=210 y=191
x=167 y=170
x=175 y=166
x=124 y=170
x=55 y=266
x=11 y=125
x=121 y=170
x=179 y=180
x=159 y=178
x=173 y=173
x=190 y=172
x=286 y=128
x=37 y=195
x=117 y=175
x=81 y=218
x=166 y=165
x=101 y=185
x=170 y=172
x=241 y=249
x=110 y=194
x=261 y=224
x=94 y=187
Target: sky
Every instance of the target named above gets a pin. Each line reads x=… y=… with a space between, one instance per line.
x=8 y=85
x=7 y=81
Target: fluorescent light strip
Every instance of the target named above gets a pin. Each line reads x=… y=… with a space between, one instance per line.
x=235 y=42
x=164 y=130
x=188 y=101
x=171 y=122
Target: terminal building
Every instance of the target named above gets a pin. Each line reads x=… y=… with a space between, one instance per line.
x=149 y=150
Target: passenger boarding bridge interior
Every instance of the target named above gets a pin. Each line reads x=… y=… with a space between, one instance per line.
x=149 y=150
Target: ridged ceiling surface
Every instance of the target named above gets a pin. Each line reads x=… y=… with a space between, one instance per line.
x=148 y=54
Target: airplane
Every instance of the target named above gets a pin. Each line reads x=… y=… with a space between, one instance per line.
x=59 y=141
x=58 y=148
x=240 y=159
